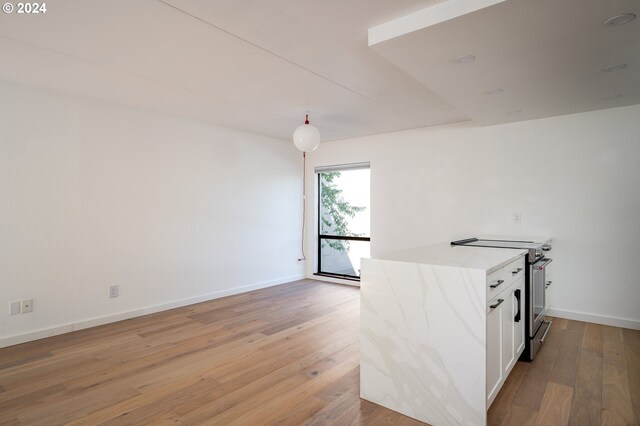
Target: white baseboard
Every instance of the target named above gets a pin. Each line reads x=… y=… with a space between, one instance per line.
x=93 y=322
x=594 y=318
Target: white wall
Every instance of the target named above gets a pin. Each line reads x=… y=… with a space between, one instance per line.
x=575 y=178
x=172 y=210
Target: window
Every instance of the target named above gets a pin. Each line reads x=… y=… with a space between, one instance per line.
x=343 y=219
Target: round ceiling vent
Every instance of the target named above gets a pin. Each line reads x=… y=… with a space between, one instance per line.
x=618 y=20
x=465 y=59
x=616 y=67
x=494 y=91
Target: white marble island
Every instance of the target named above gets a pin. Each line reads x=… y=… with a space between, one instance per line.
x=437 y=332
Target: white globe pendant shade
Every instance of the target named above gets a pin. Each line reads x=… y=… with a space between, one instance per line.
x=306 y=137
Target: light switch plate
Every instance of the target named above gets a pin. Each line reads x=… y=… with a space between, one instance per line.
x=14 y=308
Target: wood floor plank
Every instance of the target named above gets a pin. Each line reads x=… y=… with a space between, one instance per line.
x=556 y=405
x=344 y=385
x=287 y=400
x=264 y=360
x=122 y=409
x=617 y=408
x=15 y=406
x=631 y=340
x=25 y=360
x=592 y=338
x=576 y=325
x=499 y=410
x=374 y=414
x=560 y=323
x=64 y=409
x=613 y=352
x=394 y=419
x=566 y=363
x=520 y=416
x=301 y=413
x=192 y=395
x=530 y=393
x=47 y=379
x=50 y=367
x=343 y=410
x=586 y=408
x=287 y=354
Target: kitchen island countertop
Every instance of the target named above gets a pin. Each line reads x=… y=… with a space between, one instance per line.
x=486 y=259
x=432 y=330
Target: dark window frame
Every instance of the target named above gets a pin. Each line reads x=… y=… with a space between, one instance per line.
x=332 y=237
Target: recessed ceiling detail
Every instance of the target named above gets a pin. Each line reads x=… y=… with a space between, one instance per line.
x=546 y=58
x=441 y=11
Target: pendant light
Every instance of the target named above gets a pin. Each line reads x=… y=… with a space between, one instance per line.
x=306 y=137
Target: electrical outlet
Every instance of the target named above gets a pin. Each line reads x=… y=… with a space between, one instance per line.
x=14 y=308
x=26 y=306
x=113 y=291
x=517 y=217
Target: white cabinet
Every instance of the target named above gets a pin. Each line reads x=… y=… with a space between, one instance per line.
x=508 y=345
x=495 y=328
x=513 y=325
x=505 y=325
x=518 y=320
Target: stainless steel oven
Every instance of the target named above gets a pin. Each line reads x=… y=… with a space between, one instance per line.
x=536 y=326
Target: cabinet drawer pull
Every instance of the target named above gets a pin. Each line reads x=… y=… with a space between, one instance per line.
x=497 y=304
x=496 y=284
x=515 y=271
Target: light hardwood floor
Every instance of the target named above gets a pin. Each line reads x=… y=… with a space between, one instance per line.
x=286 y=355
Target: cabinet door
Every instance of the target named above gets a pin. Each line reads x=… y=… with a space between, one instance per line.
x=518 y=320
x=508 y=338
x=495 y=329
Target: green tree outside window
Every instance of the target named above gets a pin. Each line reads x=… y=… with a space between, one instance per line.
x=335 y=212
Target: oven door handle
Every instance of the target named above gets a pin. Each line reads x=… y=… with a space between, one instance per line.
x=516 y=293
x=544 y=336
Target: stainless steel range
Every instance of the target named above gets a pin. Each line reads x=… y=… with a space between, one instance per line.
x=535 y=288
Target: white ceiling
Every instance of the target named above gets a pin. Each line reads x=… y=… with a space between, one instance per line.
x=547 y=56
x=259 y=65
